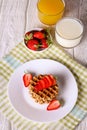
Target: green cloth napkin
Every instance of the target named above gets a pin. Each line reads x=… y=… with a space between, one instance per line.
x=19 y=55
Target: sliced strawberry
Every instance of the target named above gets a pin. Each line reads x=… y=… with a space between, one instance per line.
x=39 y=35
x=49 y=81
x=33 y=44
x=26 y=79
x=37 y=87
x=40 y=85
x=53 y=105
x=44 y=43
x=53 y=79
x=46 y=82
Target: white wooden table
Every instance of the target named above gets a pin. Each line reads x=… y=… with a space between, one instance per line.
x=18 y=16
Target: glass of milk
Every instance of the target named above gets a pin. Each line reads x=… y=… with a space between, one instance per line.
x=69 y=32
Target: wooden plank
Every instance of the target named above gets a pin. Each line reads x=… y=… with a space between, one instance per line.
x=80 y=52
x=12 y=24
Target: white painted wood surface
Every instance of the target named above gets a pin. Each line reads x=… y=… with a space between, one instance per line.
x=18 y=16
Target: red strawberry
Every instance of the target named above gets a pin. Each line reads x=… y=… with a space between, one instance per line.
x=53 y=79
x=46 y=82
x=44 y=43
x=39 y=35
x=33 y=44
x=40 y=85
x=26 y=79
x=45 y=31
x=28 y=36
x=49 y=80
x=53 y=105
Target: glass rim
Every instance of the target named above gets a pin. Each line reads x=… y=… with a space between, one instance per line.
x=76 y=19
x=51 y=14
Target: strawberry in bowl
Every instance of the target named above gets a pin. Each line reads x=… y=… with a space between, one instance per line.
x=38 y=39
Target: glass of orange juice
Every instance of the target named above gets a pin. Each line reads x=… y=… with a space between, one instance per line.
x=50 y=11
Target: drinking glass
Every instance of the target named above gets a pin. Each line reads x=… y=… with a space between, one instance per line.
x=50 y=11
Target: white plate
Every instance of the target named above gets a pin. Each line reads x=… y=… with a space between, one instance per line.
x=21 y=99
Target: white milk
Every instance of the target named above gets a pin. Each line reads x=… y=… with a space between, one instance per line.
x=69 y=32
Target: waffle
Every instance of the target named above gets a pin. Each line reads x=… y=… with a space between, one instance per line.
x=45 y=95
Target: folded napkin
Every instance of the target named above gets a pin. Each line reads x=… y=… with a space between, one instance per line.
x=19 y=55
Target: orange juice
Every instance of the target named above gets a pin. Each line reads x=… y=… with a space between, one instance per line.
x=50 y=11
